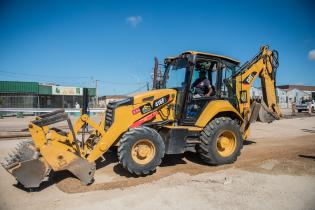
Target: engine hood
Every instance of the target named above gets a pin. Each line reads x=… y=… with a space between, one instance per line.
x=153 y=95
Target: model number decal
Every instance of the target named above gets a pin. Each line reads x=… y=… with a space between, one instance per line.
x=160 y=101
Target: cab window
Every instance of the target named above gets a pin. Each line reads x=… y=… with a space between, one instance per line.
x=175 y=74
x=204 y=79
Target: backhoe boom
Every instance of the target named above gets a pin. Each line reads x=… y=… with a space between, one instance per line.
x=263 y=65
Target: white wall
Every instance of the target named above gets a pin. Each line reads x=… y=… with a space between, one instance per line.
x=285 y=97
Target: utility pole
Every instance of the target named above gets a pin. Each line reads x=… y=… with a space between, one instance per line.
x=155 y=73
x=96 y=92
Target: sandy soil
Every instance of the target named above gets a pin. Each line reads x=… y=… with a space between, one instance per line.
x=276 y=170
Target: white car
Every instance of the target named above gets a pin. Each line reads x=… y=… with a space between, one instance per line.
x=304 y=105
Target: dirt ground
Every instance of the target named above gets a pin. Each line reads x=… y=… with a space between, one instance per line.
x=276 y=170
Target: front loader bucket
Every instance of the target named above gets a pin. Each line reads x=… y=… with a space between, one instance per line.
x=82 y=169
x=30 y=169
x=50 y=150
x=30 y=173
x=26 y=165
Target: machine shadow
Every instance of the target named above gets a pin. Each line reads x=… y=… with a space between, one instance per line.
x=57 y=176
x=194 y=157
x=308 y=130
x=54 y=178
x=308 y=157
x=248 y=142
x=168 y=161
x=111 y=157
x=119 y=170
x=171 y=160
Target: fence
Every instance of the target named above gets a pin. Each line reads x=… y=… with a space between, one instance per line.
x=29 y=101
x=42 y=101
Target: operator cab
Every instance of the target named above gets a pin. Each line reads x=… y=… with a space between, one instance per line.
x=198 y=78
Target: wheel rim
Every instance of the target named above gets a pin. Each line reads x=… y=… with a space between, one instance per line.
x=143 y=151
x=226 y=143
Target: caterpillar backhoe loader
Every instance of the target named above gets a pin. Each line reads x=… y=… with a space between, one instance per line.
x=170 y=119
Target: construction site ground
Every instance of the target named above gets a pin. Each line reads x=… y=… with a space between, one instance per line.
x=276 y=170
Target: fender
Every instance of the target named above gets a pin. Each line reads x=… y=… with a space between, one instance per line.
x=214 y=108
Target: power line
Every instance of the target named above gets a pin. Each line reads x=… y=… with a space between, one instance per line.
x=19 y=75
x=42 y=75
x=14 y=74
x=138 y=89
x=51 y=81
x=121 y=83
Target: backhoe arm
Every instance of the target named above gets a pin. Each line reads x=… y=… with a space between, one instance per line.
x=268 y=85
x=263 y=65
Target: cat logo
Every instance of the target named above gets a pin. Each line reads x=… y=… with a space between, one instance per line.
x=249 y=78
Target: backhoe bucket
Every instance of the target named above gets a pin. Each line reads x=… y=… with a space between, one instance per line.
x=265 y=115
x=261 y=113
x=26 y=165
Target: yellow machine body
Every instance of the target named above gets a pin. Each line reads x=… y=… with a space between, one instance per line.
x=52 y=149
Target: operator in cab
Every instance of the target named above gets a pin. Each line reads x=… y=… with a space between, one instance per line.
x=202 y=86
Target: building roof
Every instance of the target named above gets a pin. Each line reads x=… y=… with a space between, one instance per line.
x=19 y=87
x=22 y=87
x=299 y=87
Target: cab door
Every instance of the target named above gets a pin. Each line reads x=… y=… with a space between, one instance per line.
x=178 y=75
x=220 y=77
x=194 y=106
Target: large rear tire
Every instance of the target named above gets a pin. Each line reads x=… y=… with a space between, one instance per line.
x=141 y=150
x=221 y=141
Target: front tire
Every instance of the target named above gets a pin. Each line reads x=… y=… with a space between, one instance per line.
x=141 y=150
x=221 y=141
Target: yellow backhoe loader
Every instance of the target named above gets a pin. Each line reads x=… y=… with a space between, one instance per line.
x=211 y=118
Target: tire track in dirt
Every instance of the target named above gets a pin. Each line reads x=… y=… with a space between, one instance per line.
x=295 y=156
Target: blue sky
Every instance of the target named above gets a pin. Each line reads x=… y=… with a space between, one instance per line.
x=75 y=42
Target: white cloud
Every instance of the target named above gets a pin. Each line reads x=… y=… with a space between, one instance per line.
x=311 y=55
x=134 y=21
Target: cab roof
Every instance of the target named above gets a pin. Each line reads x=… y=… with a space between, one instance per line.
x=233 y=61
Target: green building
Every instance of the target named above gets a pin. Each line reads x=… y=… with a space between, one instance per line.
x=16 y=94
